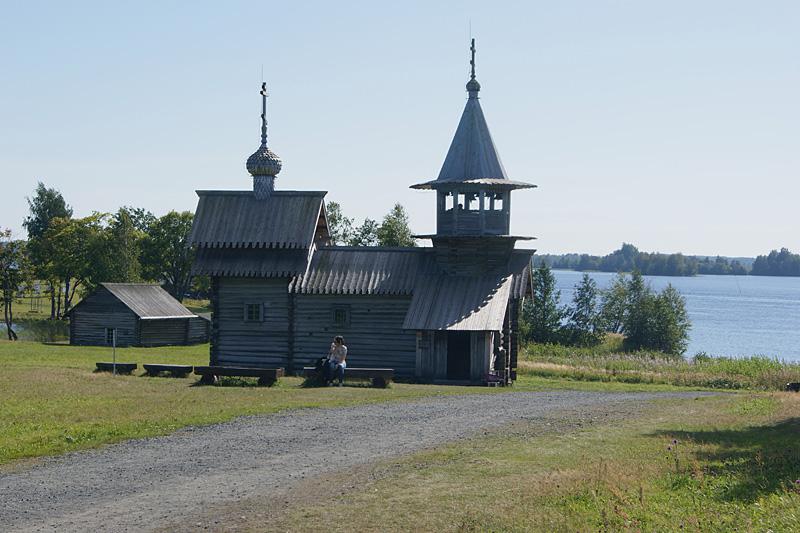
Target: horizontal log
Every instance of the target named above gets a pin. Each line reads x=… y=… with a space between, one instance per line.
x=178 y=370
x=273 y=373
x=122 y=368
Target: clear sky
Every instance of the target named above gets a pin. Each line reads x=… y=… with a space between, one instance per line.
x=670 y=125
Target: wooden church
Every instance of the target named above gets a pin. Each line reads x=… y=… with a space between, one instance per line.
x=445 y=313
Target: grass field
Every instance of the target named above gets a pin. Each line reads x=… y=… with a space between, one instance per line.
x=52 y=402
x=734 y=464
x=608 y=363
x=726 y=463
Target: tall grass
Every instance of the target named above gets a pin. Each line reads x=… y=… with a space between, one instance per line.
x=608 y=362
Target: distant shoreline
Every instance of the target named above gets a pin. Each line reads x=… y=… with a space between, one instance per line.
x=628 y=258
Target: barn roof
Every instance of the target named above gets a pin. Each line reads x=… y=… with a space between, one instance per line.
x=237 y=219
x=250 y=262
x=148 y=301
x=365 y=270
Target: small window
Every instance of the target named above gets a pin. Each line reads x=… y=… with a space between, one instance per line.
x=498 y=201
x=341 y=316
x=471 y=201
x=253 y=312
x=110 y=336
x=448 y=201
x=461 y=202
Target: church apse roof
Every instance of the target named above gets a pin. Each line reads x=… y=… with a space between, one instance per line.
x=237 y=219
x=468 y=303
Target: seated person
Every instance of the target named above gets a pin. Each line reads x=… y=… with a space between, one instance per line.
x=337 y=357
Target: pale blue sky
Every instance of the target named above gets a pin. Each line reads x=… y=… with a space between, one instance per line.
x=673 y=125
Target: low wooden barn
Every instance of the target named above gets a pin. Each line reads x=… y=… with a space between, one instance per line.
x=449 y=312
x=142 y=314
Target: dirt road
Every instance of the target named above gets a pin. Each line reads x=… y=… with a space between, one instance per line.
x=146 y=484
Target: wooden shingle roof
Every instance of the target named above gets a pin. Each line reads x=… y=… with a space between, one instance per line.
x=473 y=158
x=365 y=270
x=459 y=303
x=148 y=301
x=469 y=303
x=250 y=262
x=237 y=219
x=439 y=301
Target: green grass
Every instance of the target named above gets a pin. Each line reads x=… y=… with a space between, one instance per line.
x=608 y=363
x=197 y=306
x=52 y=401
x=707 y=464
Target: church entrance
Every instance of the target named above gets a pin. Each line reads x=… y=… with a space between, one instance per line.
x=458 y=355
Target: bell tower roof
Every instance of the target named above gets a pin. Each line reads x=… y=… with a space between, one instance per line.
x=472 y=157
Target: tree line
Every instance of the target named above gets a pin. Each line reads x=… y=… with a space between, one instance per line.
x=629 y=258
x=647 y=319
x=392 y=231
x=783 y=263
x=71 y=255
x=68 y=256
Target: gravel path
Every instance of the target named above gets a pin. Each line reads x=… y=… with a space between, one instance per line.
x=143 y=484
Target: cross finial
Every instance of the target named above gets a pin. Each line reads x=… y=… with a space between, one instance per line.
x=264 y=95
x=472 y=61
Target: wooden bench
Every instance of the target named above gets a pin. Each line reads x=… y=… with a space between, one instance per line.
x=180 y=371
x=211 y=374
x=381 y=377
x=122 y=368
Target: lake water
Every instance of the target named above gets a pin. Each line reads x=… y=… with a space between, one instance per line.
x=731 y=315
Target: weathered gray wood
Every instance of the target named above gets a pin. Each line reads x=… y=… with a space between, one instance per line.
x=380 y=377
x=122 y=368
x=374 y=335
x=101 y=310
x=263 y=343
x=237 y=219
x=175 y=370
x=266 y=376
x=163 y=332
x=114 y=305
x=198 y=330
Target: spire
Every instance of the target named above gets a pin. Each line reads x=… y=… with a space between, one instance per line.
x=263 y=164
x=264 y=95
x=472 y=153
x=472 y=157
x=472 y=85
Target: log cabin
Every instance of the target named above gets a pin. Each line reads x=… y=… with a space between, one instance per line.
x=140 y=314
x=449 y=312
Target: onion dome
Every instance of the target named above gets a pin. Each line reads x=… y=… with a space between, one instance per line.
x=264 y=162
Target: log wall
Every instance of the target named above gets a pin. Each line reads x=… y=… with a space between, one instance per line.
x=373 y=334
x=101 y=310
x=199 y=330
x=163 y=332
x=238 y=342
